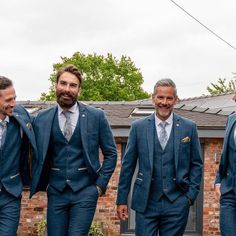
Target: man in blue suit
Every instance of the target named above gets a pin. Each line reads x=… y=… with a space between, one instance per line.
x=166 y=150
x=16 y=135
x=225 y=184
x=69 y=136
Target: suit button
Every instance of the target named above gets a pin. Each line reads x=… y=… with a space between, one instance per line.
x=67 y=180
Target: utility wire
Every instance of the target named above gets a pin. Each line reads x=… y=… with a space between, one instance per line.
x=204 y=25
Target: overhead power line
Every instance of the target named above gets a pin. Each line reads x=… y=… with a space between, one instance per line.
x=204 y=25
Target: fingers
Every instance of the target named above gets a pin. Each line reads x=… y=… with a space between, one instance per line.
x=217 y=190
x=122 y=212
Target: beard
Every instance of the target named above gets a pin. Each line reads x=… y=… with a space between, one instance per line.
x=164 y=112
x=66 y=102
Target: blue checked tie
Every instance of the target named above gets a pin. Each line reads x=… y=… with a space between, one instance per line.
x=163 y=134
x=3 y=129
x=67 y=130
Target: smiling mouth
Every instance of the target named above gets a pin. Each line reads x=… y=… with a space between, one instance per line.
x=66 y=96
x=165 y=108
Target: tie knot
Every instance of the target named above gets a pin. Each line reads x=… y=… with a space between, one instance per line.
x=163 y=124
x=3 y=123
x=66 y=114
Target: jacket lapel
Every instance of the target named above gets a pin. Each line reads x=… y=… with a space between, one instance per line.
x=151 y=128
x=83 y=126
x=176 y=132
x=26 y=127
x=46 y=131
x=229 y=127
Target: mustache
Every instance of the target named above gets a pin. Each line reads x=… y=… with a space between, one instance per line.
x=164 y=105
x=66 y=93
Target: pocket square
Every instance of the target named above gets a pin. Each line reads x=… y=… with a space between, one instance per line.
x=186 y=140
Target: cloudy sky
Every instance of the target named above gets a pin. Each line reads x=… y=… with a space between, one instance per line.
x=162 y=40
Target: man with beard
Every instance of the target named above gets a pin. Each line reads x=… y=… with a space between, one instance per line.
x=69 y=136
x=166 y=150
x=16 y=135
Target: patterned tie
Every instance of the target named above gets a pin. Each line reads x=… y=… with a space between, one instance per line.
x=163 y=134
x=3 y=126
x=67 y=130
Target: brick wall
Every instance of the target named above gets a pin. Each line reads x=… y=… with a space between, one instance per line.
x=212 y=150
x=34 y=210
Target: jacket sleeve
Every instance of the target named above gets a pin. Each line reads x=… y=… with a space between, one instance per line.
x=129 y=162
x=108 y=148
x=195 y=172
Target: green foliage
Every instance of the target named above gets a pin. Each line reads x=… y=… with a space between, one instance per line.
x=105 y=78
x=41 y=227
x=95 y=230
x=222 y=86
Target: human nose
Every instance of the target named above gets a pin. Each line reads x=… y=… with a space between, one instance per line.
x=164 y=101
x=13 y=103
x=67 y=88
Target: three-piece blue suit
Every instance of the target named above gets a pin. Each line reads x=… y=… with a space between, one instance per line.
x=226 y=177
x=15 y=168
x=71 y=170
x=166 y=179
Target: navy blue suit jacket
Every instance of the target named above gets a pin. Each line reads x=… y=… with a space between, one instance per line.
x=95 y=134
x=140 y=149
x=221 y=175
x=13 y=179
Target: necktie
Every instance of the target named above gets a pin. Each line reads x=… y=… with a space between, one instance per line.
x=3 y=126
x=163 y=134
x=67 y=130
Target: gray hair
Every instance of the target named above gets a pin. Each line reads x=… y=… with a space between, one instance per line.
x=5 y=82
x=165 y=83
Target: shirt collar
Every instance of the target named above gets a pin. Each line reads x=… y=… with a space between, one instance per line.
x=6 y=119
x=169 y=120
x=73 y=109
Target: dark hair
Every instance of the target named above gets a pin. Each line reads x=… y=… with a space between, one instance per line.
x=5 y=82
x=71 y=69
x=165 y=83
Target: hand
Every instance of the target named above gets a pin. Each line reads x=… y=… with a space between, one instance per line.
x=217 y=190
x=99 y=191
x=190 y=202
x=122 y=212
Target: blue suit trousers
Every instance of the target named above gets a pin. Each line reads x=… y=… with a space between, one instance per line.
x=71 y=213
x=163 y=217
x=9 y=213
x=228 y=214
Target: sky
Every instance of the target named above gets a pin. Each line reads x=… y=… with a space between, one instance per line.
x=162 y=40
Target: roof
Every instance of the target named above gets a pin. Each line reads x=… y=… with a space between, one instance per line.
x=121 y=114
x=215 y=104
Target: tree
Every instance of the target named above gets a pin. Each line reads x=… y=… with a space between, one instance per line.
x=221 y=86
x=105 y=78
